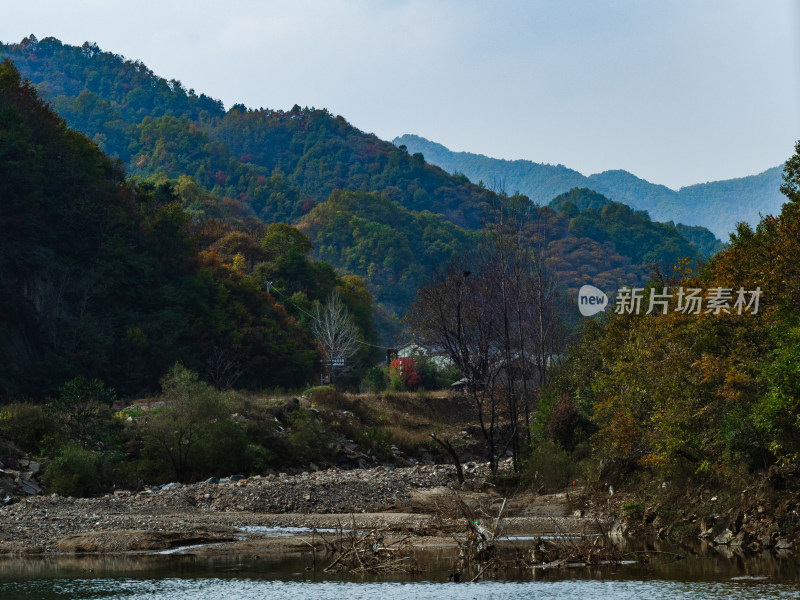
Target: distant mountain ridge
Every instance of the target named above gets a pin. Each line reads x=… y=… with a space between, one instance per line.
x=717 y=205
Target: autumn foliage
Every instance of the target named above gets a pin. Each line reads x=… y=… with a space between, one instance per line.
x=403 y=374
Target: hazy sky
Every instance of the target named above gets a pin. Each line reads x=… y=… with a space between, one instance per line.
x=677 y=92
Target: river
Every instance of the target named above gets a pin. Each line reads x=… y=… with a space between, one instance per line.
x=704 y=574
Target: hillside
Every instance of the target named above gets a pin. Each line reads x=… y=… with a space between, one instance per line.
x=275 y=164
x=110 y=278
x=396 y=219
x=717 y=205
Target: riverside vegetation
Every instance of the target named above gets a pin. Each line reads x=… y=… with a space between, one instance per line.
x=181 y=287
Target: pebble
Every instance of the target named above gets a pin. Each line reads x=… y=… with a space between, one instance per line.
x=40 y=521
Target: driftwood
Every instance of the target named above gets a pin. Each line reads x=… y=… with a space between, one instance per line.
x=448 y=447
x=366 y=552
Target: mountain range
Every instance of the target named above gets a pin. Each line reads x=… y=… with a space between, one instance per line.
x=367 y=207
x=716 y=205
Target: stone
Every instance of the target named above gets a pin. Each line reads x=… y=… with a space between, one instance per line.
x=724 y=538
x=34 y=467
x=30 y=487
x=783 y=544
x=212 y=480
x=171 y=486
x=236 y=478
x=737 y=520
x=619 y=529
x=741 y=539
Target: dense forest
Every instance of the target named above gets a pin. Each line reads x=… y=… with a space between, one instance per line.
x=113 y=279
x=400 y=219
x=717 y=205
x=707 y=398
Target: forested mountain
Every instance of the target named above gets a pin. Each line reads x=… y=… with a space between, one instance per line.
x=109 y=278
x=396 y=219
x=277 y=164
x=633 y=229
x=397 y=249
x=707 y=396
x=717 y=205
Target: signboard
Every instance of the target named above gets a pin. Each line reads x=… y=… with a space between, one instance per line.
x=391 y=354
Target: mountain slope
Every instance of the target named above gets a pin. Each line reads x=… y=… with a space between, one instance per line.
x=717 y=205
x=105 y=278
x=400 y=219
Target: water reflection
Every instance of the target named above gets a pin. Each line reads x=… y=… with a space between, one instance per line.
x=705 y=572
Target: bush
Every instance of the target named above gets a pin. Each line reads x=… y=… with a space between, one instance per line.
x=376 y=440
x=377 y=379
x=403 y=375
x=324 y=395
x=75 y=471
x=312 y=391
x=434 y=376
x=84 y=407
x=308 y=440
x=550 y=467
x=27 y=425
x=194 y=433
x=563 y=422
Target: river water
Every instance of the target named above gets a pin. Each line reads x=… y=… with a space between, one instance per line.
x=706 y=574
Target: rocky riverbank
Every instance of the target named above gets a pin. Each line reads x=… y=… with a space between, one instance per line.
x=764 y=515
x=422 y=500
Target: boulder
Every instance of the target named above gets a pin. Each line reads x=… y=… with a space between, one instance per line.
x=737 y=520
x=724 y=538
x=741 y=539
x=29 y=486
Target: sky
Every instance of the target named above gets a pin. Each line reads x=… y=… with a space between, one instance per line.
x=676 y=92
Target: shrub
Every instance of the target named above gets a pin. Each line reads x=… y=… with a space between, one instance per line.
x=434 y=376
x=376 y=440
x=75 y=471
x=377 y=379
x=565 y=417
x=194 y=433
x=84 y=407
x=27 y=425
x=308 y=439
x=403 y=375
x=549 y=466
x=310 y=392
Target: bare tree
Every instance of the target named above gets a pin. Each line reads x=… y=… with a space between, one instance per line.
x=224 y=368
x=335 y=329
x=455 y=315
x=498 y=316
